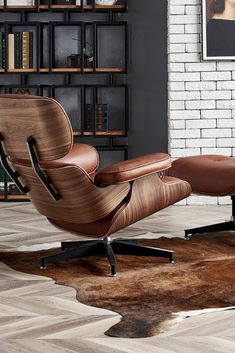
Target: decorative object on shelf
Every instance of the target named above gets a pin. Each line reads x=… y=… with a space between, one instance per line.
x=74 y=60
x=22 y=91
x=105 y=2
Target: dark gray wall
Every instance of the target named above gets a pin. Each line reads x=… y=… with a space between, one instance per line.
x=148 y=76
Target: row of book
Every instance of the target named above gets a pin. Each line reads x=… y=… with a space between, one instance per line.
x=101 y=117
x=19 y=3
x=19 y=50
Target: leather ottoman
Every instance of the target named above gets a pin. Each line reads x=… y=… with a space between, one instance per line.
x=212 y=175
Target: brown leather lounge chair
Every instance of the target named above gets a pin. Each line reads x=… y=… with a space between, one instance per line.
x=211 y=175
x=62 y=181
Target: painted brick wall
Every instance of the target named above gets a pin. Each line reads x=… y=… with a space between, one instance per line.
x=201 y=94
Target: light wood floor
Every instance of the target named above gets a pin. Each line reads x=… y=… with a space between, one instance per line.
x=38 y=316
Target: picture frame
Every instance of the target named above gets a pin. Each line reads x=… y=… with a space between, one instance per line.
x=218 y=28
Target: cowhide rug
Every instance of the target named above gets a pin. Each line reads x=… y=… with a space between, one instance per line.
x=147 y=291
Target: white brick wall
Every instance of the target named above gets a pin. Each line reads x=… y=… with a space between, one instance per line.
x=201 y=94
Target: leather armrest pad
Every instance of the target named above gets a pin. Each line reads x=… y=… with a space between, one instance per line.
x=133 y=169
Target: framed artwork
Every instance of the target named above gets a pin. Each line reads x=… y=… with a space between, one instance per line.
x=218 y=29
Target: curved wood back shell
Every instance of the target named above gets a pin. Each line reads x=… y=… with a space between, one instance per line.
x=43 y=118
x=82 y=201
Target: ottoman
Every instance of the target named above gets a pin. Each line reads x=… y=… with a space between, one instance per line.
x=212 y=175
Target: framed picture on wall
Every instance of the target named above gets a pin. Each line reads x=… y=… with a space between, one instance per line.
x=218 y=22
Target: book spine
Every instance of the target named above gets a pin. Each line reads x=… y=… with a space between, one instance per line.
x=1 y=56
x=30 y=50
x=18 y=51
x=27 y=50
x=11 y=51
x=99 y=117
x=4 y=52
x=105 y=117
x=88 y=118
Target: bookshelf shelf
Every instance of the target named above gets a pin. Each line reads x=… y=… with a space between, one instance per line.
x=92 y=90
x=114 y=70
x=21 y=70
x=100 y=133
x=87 y=70
x=79 y=8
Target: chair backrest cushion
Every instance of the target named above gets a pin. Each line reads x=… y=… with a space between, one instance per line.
x=43 y=118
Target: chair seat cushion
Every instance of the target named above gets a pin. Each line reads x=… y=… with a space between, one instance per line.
x=208 y=175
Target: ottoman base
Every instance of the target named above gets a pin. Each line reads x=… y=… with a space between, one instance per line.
x=219 y=227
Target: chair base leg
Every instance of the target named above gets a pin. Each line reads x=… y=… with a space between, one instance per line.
x=219 y=227
x=106 y=247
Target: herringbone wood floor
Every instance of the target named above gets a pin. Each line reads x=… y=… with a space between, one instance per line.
x=38 y=316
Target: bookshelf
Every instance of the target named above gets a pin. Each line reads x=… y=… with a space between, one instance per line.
x=79 y=57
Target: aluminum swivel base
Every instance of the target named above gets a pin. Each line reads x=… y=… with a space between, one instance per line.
x=105 y=247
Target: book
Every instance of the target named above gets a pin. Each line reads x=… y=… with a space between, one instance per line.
x=101 y=117
x=11 y=51
x=4 y=59
x=27 y=50
x=88 y=126
x=18 y=50
x=105 y=117
x=1 y=49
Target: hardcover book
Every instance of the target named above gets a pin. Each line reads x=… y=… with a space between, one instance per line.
x=4 y=60
x=27 y=50
x=18 y=50
x=2 y=49
x=11 y=51
x=101 y=117
x=88 y=118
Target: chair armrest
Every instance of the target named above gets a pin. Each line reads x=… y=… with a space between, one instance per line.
x=133 y=169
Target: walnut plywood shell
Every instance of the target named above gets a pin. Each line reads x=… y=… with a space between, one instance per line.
x=148 y=195
x=82 y=201
x=43 y=118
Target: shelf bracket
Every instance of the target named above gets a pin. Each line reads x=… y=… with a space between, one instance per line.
x=31 y=142
x=8 y=169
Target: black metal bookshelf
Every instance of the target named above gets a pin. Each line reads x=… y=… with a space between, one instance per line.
x=93 y=78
